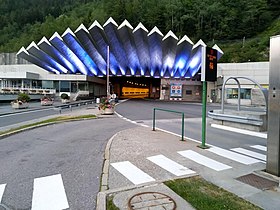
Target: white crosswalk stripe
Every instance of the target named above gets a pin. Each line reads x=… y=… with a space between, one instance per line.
x=2 y=189
x=259 y=147
x=170 y=165
x=233 y=156
x=250 y=153
x=49 y=193
x=202 y=160
x=132 y=173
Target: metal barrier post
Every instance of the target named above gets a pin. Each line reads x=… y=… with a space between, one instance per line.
x=172 y=111
x=154 y=120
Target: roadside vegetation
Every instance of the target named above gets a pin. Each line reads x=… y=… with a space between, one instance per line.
x=46 y=122
x=202 y=195
x=241 y=28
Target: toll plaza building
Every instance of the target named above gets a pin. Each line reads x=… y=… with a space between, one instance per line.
x=139 y=62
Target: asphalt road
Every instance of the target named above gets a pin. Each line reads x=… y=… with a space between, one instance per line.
x=72 y=153
x=9 y=116
x=141 y=111
x=72 y=150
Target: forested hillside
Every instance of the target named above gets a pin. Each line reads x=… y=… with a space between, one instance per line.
x=241 y=28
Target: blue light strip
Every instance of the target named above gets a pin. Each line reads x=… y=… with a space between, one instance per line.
x=46 y=47
x=116 y=47
x=125 y=32
x=140 y=35
x=155 y=44
x=38 y=62
x=41 y=55
x=99 y=38
x=64 y=49
x=79 y=51
x=87 y=44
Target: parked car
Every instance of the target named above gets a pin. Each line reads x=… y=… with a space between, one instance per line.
x=46 y=101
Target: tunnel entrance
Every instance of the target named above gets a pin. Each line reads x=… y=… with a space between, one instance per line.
x=135 y=87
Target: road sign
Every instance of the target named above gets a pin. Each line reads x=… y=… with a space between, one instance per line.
x=209 y=66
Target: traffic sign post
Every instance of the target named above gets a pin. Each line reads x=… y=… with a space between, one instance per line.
x=208 y=73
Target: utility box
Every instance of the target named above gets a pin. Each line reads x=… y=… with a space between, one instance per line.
x=273 y=140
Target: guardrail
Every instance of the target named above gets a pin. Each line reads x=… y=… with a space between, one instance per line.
x=172 y=111
x=73 y=104
x=235 y=118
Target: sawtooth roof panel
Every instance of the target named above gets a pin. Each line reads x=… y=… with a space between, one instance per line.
x=132 y=52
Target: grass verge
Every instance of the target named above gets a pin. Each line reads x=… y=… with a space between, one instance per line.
x=203 y=195
x=51 y=120
x=110 y=204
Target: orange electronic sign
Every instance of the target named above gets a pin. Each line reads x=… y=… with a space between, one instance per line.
x=211 y=65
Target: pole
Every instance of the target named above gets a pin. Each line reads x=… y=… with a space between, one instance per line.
x=154 y=120
x=204 y=98
x=183 y=126
x=108 y=67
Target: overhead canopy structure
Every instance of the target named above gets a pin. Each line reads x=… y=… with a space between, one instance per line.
x=133 y=52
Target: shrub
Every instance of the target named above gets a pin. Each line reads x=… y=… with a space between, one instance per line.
x=64 y=96
x=23 y=97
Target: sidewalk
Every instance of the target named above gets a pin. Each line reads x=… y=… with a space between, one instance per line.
x=141 y=145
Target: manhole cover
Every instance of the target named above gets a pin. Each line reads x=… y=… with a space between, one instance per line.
x=257 y=181
x=153 y=200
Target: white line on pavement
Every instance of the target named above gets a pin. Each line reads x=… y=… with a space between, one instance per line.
x=250 y=153
x=237 y=130
x=132 y=173
x=170 y=165
x=2 y=188
x=259 y=147
x=233 y=156
x=208 y=162
x=49 y=193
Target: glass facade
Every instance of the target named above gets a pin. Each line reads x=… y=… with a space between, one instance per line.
x=232 y=93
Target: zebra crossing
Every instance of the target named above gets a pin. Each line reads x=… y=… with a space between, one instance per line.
x=238 y=155
x=48 y=193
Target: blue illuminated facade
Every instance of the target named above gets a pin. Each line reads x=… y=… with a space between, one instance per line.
x=133 y=52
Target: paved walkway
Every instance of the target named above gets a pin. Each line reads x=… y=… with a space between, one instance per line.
x=139 y=160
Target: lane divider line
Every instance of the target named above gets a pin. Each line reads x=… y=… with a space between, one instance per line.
x=238 y=130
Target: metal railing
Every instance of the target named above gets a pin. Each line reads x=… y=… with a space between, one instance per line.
x=172 y=111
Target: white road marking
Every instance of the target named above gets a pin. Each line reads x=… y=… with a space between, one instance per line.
x=238 y=130
x=259 y=147
x=250 y=153
x=132 y=173
x=49 y=193
x=2 y=188
x=200 y=159
x=170 y=165
x=233 y=156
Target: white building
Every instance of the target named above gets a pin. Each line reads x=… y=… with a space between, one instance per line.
x=17 y=74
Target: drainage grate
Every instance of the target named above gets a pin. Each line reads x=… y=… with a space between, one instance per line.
x=257 y=181
x=152 y=200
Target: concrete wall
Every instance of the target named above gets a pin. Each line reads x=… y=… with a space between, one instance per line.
x=11 y=59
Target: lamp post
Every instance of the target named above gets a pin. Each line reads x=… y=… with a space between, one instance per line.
x=108 y=67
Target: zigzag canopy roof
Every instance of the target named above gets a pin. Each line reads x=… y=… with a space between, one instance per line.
x=133 y=52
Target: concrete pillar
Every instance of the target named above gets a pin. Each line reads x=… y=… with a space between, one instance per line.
x=273 y=140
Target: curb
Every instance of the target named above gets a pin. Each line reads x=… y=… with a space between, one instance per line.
x=101 y=196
